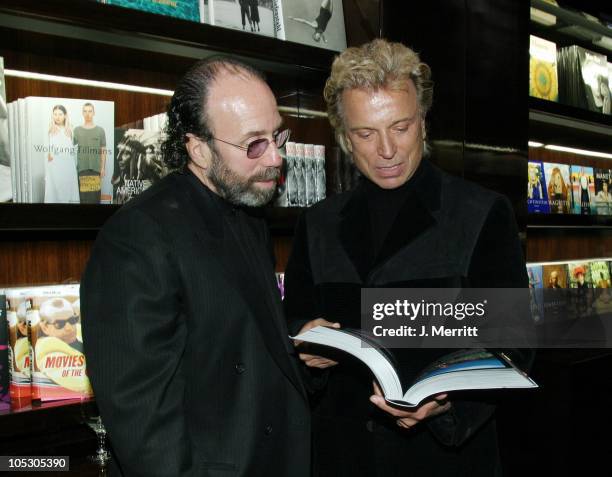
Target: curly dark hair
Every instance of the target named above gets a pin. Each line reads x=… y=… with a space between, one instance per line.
x=187 y=108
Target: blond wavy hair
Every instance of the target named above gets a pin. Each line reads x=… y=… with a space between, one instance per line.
x=379 y=64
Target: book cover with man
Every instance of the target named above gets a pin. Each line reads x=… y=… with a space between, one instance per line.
x=138 y=162
x=56 y=343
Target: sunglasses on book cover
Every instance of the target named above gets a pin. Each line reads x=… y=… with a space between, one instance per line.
x=73 y=320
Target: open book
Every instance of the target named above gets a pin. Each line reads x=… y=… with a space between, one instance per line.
x=462 y=370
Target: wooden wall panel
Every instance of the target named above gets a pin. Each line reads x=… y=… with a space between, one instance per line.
x=42 y=262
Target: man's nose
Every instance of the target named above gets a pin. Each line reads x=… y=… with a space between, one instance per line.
x=386 y=146
x=272 y=157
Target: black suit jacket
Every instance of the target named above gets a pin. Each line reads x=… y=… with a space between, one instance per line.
x=448 y=233
x=186 y=343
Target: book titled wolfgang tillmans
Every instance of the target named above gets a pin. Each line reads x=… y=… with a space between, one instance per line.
x=56 y=343
x=192 y=10
x=68 y=155
x=316 y=23
x=543 y=82
x=6 y=188
x=475 y=369
x=262 y=17
x=138 y=162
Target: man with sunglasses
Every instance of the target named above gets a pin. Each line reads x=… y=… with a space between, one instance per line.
x=186 y=343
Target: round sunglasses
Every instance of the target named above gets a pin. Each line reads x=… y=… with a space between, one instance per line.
x=257 y=148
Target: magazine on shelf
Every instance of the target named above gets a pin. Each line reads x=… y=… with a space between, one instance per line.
x=6 y=187
x=138 y=162
x=69 y=150
x=315 y=23
x=192 y=10
x=261 y=17
x=56 y=343
x=558 y=187
x=543 y=79
x=475 y=369
x=583 y=186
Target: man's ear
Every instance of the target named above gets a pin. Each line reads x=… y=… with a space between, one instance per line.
x=423 y=129
x=347 y=142
x=199 y=151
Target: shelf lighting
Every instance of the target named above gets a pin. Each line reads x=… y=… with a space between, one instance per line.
x=582 y=152
x=535 y=144
x=298 y=112
x=87 y=82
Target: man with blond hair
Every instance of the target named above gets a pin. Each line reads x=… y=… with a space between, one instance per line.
x=407 y=224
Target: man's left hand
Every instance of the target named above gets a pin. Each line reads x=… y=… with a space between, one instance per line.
x=407 y=419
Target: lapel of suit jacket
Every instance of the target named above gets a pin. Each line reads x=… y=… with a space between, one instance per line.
x=415 y=217
x=208 y=220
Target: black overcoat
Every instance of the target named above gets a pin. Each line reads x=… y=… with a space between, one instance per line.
x=448 y=233
x=186 y=344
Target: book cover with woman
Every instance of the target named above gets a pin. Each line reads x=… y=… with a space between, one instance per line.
x=61 y=181
x=583 y=186
x=559 y=187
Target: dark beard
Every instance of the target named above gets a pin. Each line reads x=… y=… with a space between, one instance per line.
x=237 y=190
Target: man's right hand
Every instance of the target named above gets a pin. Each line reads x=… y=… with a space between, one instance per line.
x=314 y=361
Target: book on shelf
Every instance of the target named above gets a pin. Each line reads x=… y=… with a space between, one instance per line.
x=583 y=76
x=536 y=282
x=559 y=187
x=537 y=194
x=600 y=274
x=63 y=150
x=5 y=396
x=261 y=17
x=317 y=23
x=58 y=363
x=138 y=162
x=603 y=191
x=474 y=369
x=6 y=188
x=543 y=78
x=583 y=187
x=555 y=276
x=192 y=10
x=19 y=348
